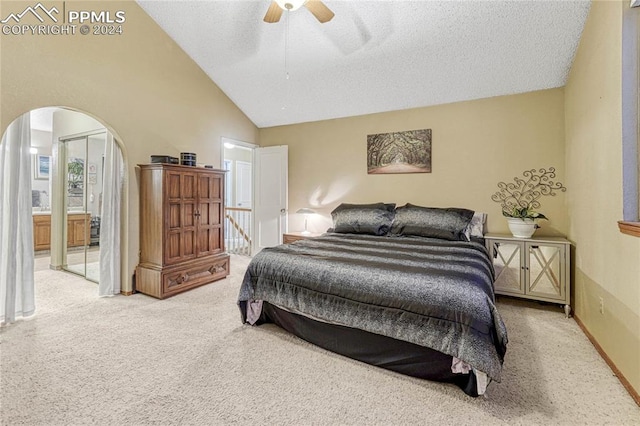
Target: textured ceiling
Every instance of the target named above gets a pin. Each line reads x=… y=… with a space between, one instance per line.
x=374 y=56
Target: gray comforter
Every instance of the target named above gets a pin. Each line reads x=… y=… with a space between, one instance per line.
x=430 y=292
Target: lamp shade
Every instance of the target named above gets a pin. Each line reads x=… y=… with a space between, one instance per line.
x=305 y=211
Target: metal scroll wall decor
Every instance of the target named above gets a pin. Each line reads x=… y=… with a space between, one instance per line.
x=524 y=194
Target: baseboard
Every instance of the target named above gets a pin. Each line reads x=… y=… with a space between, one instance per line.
x=126 y=293
x=634 y=393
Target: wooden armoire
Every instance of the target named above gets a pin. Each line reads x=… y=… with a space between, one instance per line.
x=181 y=229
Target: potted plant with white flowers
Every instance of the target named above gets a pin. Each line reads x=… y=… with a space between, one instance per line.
x=519 y=200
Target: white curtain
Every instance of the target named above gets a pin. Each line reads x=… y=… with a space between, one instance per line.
x=17 y=298
x=110 y=219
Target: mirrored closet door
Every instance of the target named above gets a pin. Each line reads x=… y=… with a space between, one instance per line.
x=84 y=158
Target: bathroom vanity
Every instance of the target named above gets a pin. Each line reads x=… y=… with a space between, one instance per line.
x=78 y=230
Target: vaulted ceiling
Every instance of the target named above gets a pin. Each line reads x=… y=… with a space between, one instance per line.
x=374 y=56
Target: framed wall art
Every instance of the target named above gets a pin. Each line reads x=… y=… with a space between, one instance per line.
x=42 y=166
x=399 y=152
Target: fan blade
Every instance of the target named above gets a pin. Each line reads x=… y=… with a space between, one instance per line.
x=273 y=13
x=319 y=10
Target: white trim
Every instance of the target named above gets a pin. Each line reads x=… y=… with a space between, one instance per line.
x=630 y=115
x=228 y=182
x=82 y=135
x=240 y=143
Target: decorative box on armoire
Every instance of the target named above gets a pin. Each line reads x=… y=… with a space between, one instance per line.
x=181 y=229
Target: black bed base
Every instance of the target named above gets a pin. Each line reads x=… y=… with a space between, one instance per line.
x=374 y=349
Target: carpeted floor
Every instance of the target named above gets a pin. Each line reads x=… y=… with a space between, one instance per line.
x=187 y=360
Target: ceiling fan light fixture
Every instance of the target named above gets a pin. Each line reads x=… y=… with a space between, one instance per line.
x=290 y=5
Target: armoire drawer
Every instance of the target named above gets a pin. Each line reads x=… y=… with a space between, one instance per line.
x=194 y=275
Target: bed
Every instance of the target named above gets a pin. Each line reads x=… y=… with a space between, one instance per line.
x=388 y=287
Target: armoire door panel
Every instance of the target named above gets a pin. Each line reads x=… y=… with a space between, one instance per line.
x=203 y=242
x=210 y=241
x=203 y=186
x=173 y=185
x=215 y=214
x=204 y=210
x=216 y=190
x=172 y=248
x=189 y=243
x=210 y=213
x=174 y=213
x=216 y=239
x=189 y=214
x=210 y=187
x=189 y=186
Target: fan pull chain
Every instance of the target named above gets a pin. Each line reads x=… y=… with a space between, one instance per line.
x=286 y=61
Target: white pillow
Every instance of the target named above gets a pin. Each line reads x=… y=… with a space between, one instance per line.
x=476 y=226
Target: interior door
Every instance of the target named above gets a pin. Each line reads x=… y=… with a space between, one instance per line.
x=243 y=184
x=270 y=197
x=75 y=213
x=84 y=162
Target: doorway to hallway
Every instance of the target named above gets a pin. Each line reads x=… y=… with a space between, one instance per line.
x=238 y=162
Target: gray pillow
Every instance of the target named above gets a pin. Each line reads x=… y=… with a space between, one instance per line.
x=373 y=219
x=447 y=224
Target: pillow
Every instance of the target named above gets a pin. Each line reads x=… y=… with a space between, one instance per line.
x=476 y=226
x=374 y=219
x=447 y=224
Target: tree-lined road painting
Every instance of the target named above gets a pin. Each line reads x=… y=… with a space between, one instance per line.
x=399 y=152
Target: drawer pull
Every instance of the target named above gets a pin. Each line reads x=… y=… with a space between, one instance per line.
x=182 y=278
x=217 y=268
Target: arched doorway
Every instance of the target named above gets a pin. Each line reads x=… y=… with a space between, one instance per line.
x=74 y=157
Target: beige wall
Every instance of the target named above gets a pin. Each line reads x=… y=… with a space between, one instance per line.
x=475 y=145
x=607 y=263
x=140 y=85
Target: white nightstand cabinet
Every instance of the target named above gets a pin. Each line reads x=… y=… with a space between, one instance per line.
x=535 y=268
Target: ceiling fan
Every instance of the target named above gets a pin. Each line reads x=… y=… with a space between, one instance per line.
x=316 y=7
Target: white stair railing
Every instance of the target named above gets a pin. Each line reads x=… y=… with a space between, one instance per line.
x=238 y=230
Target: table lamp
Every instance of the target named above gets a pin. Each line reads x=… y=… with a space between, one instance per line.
x=306 y=212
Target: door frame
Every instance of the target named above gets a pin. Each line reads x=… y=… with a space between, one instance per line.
x=252 y=147
x=63 y=151
x=58 y=217
x=255 y=187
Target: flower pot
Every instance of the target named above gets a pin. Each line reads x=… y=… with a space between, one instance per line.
x=521 y=228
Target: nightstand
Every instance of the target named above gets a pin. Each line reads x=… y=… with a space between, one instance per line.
x=290 y=237
x=536 y=268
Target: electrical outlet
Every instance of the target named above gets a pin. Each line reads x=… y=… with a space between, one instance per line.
x=601 y=305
